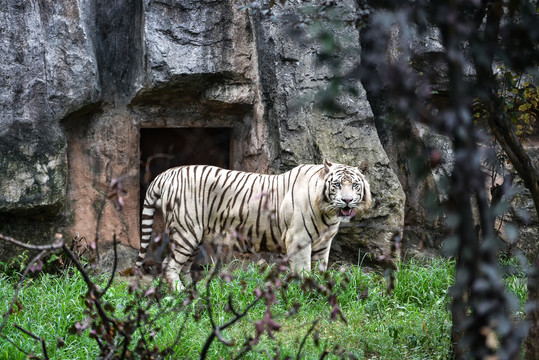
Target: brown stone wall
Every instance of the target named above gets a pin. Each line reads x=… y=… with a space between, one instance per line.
x=103 y=147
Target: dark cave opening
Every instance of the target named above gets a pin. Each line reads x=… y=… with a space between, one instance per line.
x=164 y=148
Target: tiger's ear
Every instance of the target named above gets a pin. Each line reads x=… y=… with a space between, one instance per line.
x=327 y=165
x=367 y=196
x=364 y=167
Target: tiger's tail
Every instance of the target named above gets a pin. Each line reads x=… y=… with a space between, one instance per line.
x=151 y=201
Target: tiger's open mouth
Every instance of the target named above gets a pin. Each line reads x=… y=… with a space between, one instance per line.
x=346 y=212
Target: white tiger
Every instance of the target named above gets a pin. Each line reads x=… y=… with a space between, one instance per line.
x=307 y=204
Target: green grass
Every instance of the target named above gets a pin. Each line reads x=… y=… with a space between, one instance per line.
x=411 y=323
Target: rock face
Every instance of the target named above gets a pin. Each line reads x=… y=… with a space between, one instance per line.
x=293 y=82
x=48 y=72
x=82 y=79
x=409 y=144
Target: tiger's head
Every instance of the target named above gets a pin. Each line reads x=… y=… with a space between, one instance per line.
x=346 y=190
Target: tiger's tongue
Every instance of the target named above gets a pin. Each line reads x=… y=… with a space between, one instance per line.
x=347 y=212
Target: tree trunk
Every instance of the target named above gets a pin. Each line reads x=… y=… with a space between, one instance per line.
x=522 y=163
x=502 y=129
x=531 y=345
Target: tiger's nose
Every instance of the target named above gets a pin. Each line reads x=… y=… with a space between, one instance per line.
x=347 y=200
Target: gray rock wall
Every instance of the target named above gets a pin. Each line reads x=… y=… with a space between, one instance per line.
x=48 y=71
x=81 y=78
x=308 y=134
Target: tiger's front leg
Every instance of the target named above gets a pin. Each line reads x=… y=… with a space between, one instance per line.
x=321 y=248
x=298 y=250
x=320 y=258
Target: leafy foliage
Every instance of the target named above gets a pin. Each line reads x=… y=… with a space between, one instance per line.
x=377 y=324
x=472 y=35
x=520 y=101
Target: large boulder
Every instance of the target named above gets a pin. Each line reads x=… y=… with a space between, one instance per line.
x=296 y=83
x=411 y=145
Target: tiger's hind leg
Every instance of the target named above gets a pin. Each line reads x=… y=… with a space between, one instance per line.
x=183 y=249
x=172 y=269
x=187 y=269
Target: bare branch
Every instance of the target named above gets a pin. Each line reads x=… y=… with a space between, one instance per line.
x=38 y=338
x=298 y=356
x=58 y=244
x=114 y=264
x=216 y=333
x=15 y=345
x=92 y=287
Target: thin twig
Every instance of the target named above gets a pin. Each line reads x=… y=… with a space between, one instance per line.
x=38 y=338
x=92 y=288
x=324 y=354
x=217 y=329
x=305 y=338
x=244 y=351
x=231 y=306
x=50 y=247
x=15 y=345
x=45 y=249
x=114 y=264
x=231 y=322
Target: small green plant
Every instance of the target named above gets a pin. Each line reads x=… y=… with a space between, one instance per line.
x=15 y=266
x=515 y=278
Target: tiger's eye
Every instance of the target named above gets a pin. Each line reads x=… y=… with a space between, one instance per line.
x=337 y=185
x=355 y=185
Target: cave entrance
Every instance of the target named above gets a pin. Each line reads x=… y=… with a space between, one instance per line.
x=163 y=148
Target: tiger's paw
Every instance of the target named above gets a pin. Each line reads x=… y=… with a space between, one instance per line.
x=178 y=286
x=175 y=285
